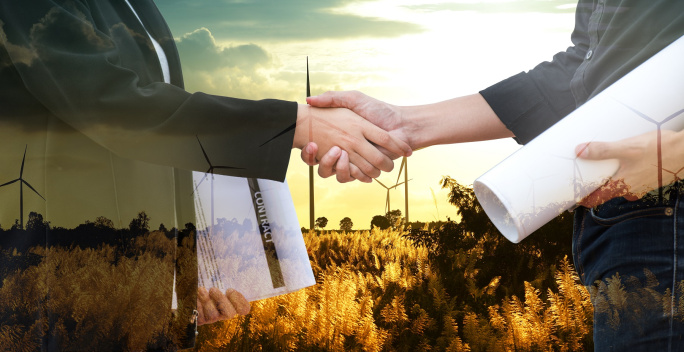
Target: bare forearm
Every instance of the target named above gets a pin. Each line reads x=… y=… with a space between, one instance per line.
x=464 y=119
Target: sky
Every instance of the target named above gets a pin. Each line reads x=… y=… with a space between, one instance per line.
x=405 y=52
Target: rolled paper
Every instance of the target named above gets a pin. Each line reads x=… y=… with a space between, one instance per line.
x=545 y=177
x=254 y=243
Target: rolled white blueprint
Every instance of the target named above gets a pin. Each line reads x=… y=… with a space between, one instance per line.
x=544 y=178
x=254 y=243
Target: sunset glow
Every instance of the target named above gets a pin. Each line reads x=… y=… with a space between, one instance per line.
x=404 y=52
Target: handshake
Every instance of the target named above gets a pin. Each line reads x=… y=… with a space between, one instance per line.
x=355 y=137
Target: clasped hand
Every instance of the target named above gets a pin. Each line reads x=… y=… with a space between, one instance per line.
x=364 y=149
x=365 y=135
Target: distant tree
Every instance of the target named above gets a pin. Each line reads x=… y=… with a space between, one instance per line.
x=380 y=221
x=394 y=218
x=228 y=225
x=36 y=223
x=162 y=227
x=16 y=225
x=104 y=223
x=190 y=227
x=346 y=224
x=321 y=222
x=140 y=224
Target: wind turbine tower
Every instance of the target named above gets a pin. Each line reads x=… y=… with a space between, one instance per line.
x=311 y=169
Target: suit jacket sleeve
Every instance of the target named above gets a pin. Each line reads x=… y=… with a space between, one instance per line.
x=91 y=65
x=530 y=102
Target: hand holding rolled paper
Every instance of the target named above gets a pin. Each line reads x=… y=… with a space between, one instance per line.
x=647 y=162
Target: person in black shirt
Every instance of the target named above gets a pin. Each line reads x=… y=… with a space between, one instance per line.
x=625 y=230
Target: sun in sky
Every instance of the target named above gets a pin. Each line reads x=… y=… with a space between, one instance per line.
x=405 y=52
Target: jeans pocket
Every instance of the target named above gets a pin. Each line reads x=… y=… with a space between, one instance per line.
x=603 y=219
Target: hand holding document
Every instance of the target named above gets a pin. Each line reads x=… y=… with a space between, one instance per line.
x=215 y=305
x=248 y=237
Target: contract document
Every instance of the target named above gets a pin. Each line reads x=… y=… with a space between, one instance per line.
x=248 y=237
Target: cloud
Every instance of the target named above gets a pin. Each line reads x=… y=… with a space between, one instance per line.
x=18 y=53
x=243 y=71
x=59 y=24
x=51 y=29
x=248 y=71
x=514 y=6
x=251 y=20
x=201 y=52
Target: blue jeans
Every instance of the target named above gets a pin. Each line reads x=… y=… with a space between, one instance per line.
x=631 y=257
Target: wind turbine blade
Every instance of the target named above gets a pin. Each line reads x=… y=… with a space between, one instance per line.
x=308 y=86
x=382 y=184
x=398 y=184
x=673 y=116
x=229 y=167
x=642 y=115
x=292 y=127
x=21 y=173
x=33 y=189
x=401 y=168
x=200 y=182
x=9 y=183
x=204 y=152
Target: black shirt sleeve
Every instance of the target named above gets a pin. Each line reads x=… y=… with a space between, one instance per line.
x=530 y=102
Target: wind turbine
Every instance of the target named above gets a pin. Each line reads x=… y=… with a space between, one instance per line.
x=311 y=169
x=387 y=200
x=659 y=138
x=22 y=182
x=211 y=171
x=675 y=174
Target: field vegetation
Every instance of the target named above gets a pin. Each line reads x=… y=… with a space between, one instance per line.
x=450 y=286
x=457 y=286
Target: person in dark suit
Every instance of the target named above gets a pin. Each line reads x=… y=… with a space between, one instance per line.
x=93 y=109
